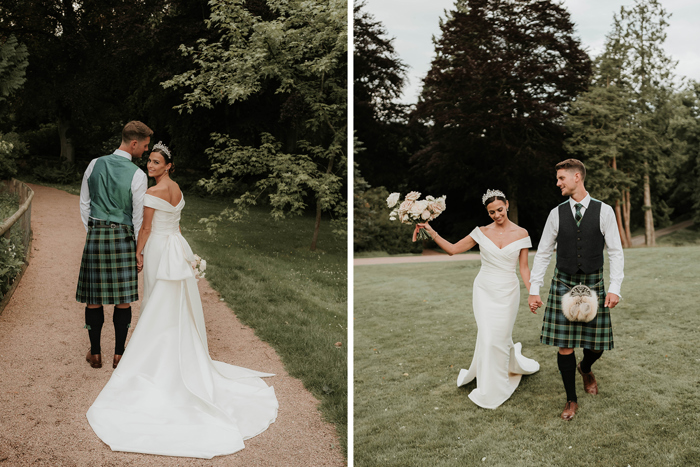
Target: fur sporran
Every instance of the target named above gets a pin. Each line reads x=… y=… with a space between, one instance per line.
x=580 y=304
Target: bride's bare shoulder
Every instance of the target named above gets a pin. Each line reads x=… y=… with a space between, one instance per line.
x=521 y=232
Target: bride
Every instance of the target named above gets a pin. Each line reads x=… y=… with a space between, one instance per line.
x=167 y=396
x=498 y=364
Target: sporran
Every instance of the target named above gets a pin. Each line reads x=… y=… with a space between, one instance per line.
x=580 y=304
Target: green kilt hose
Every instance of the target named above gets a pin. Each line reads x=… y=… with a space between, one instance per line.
x=560 y=332
x=108 y=274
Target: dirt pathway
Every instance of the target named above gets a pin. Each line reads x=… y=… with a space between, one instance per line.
x=639 y=239
x=46 y=387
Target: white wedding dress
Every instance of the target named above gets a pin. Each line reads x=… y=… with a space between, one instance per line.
x=498 y=364
x=167 y=396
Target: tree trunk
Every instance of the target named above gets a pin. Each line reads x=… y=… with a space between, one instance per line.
x=649 y=235
x=317 y=226
x=513 y=209
x=627 y=209
x=618 y=217
x=618 y=214
x=67 y=151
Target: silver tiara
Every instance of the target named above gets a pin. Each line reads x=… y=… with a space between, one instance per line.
x=490 y=194
x=162 y=147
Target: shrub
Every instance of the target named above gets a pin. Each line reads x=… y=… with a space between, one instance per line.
x=11 y=148
x=12 y=251
x=65 y=173
x=373 y=231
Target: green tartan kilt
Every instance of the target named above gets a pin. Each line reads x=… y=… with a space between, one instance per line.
x=560 y=332
x=108 y=274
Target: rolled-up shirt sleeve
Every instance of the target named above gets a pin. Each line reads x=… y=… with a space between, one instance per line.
x=545 y=249
x=613 y=242
x=139 y=185
x=85 y=195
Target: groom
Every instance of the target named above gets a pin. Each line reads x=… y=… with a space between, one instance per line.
x=580 y=227
x=111 y=207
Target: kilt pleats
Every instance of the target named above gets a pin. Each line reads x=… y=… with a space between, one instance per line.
x=560 y=332
x=108 y=274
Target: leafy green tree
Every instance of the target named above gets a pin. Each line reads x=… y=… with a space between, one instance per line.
x=297 y=51
x=492 y=102
x=13 y=65
x=622 y=126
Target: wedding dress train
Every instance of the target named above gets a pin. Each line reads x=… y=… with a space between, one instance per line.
x=167 y=396
x=498 y=364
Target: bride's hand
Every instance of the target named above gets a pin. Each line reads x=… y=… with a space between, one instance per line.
x=139 y=262
x=425 y=226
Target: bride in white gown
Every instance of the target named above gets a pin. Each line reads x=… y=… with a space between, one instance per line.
x=498 y=363
x=167 y=396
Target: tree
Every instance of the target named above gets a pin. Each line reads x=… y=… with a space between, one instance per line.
x=295 y=50
x=622 y=126
x=381 y=124
x=96 y=65
x=598 y=122
x=13 y=65
x=502 y=75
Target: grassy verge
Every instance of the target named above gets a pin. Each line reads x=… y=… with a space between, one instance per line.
x=683 y=237
x=414 y=330
x=295 y=299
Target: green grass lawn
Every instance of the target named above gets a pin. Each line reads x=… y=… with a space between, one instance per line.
x=294 y=299
x=414 y=330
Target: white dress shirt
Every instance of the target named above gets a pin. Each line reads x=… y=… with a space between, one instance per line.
x=608 y=227
x=139 y=185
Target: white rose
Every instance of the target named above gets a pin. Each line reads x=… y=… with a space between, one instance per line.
x=413 y=196
x=418 y=208
x=426 y=215
x=392 y=200
x=203 y=265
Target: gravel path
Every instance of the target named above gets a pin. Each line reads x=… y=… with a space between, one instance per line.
x=46 y=387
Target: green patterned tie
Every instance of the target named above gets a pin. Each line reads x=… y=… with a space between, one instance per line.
x=578 y=215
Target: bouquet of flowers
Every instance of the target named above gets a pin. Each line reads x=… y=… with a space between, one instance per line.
x=412 y=210
x=199 y=265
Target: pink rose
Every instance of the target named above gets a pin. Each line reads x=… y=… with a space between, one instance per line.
x=413 y=196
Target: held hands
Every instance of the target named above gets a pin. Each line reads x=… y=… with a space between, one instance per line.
x=139 y=262
x=611 y=300
x=535 y=302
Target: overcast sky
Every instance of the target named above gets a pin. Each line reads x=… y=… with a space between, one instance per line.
x=413 y=22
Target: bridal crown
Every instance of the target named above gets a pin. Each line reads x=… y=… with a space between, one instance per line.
x=490 y=194
x=162 y=147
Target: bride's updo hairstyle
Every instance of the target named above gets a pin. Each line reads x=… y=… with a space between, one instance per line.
x=492 y=195
x=163 y=150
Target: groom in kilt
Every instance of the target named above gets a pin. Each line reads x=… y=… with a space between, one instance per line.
x=111 y=207
x=581 y=227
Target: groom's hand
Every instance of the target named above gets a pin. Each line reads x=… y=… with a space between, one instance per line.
x=139 y=262
x=611 y=300
x=535 y=302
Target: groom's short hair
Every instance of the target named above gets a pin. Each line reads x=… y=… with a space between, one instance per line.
x=573 y=165
x=135 y=130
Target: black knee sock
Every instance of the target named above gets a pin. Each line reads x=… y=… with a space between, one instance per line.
x=567 y=368
x=589 y=358
x=122 y=321
x=94 y=318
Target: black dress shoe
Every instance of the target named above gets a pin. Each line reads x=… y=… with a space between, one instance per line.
x=95 y=360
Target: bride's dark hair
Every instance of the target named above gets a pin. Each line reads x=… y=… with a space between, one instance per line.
x=494 y=198
x=168 y=159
